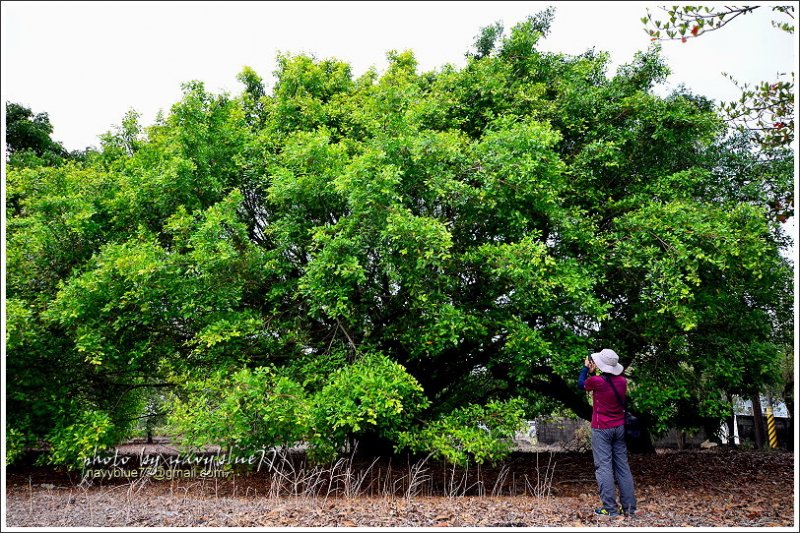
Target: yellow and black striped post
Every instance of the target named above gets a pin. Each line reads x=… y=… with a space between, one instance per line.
x=772 y=433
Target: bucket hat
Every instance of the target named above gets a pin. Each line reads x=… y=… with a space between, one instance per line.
x=608 y=361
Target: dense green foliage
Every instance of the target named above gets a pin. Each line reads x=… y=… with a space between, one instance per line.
x=246 y=410
x=422 y=258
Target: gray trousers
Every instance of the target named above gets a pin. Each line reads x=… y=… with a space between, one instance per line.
x=611 y=464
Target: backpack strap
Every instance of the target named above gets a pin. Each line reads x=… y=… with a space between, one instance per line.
x=608 y=380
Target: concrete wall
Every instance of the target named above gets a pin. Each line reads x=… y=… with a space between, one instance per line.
x=571 y=434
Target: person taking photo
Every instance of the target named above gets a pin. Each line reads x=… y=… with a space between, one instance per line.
x=609 y=450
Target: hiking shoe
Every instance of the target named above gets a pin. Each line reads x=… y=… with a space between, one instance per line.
x=602 y=512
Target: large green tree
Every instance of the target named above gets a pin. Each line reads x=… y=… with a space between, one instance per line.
x=417 y=259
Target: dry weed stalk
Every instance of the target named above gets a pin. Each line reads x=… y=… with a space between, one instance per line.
x=480 y=484
x=417 y=477
x=30 y=496
x=138 y=484
x=452 y=488
x=542 y=491
x=385 y=492
x=358 y=480
x=190 y=487
x=286 y=477
x=497 y=488
x=314 y=483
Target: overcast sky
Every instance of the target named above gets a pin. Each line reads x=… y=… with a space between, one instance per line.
x=87 y=63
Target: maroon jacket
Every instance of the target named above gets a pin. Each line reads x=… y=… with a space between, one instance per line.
x=607 y=412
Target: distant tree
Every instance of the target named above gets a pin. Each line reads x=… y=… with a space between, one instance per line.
x=30 y=132
x=765 y=109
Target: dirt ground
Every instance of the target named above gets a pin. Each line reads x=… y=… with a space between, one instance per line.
x=688 y=488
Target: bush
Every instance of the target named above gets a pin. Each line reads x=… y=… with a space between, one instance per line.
x=474 y=432
x=92 y=433
x=248 y=410
x=373 y=396
x=15 y=445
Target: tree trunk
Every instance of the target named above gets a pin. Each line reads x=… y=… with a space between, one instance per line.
x=788 y=398
x=758 y=421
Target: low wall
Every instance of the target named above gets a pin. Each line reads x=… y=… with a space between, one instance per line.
x=572 y=434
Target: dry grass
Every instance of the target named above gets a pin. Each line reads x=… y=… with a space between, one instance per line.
x=674 y=490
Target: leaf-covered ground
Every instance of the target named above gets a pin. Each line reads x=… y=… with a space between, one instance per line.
x=690 y=488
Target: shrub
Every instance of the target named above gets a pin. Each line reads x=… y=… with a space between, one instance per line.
x=248 y=410
x=92 y=433
x=15 y=445
x=474 y=432
x=374 y=396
